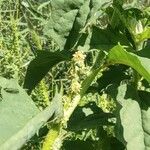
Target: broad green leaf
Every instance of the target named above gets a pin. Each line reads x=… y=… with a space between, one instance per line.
x=16 y=109
x=118 y=55
x=88 y=117
x=40 y=66
x=20 y=119
x=129 y=122
x=145 y=110
x=133 y=119
x=63 y=15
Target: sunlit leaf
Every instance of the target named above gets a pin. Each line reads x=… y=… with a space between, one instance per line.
x=132 y=118
x=118 y=55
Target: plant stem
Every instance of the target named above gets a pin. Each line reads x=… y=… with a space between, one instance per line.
x=74 y=104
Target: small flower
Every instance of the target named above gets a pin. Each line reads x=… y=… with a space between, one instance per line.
x=75 y=86
x=78 y=57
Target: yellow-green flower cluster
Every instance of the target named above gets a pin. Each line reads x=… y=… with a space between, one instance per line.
x=78 y=58
x=78 y=66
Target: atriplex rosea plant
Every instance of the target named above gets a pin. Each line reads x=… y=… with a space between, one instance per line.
x=118 y=32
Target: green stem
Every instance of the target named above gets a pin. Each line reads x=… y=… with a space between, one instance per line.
x=98 y=65
x=52 y=135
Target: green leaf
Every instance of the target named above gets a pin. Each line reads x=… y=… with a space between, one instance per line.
x=16 y=109
x=118 y=55
x=89 y=116
x=145 y=110
x=19 y=117
x=133 y=119
x=129 y=123
x=40 y=66
x=63 y=15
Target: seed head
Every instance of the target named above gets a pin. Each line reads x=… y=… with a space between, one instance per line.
x=78 y=57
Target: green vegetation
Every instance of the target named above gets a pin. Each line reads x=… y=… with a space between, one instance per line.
x=74 y=75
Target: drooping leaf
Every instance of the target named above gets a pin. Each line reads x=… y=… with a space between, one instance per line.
x=40 y=66
x=145 y=110
x=16 y=109
x=118 y=55
x=133 y=119
x=20 y=119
